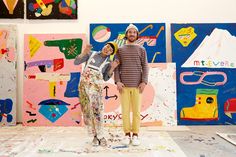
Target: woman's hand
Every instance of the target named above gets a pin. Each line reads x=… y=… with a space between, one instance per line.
x=87 y=49
x=114 y=64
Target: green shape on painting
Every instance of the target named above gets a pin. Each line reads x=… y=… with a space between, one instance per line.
x=70 y=47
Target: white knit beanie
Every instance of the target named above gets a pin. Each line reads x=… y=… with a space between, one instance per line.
x=131 y=26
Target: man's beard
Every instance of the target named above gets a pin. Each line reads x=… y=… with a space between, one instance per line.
x=133 y=39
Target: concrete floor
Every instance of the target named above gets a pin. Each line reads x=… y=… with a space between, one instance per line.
x=193 y=141
x=202 y=141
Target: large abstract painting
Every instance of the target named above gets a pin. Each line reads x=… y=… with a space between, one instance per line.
x=51 y=9
x=206 y=69
x=151 y=37
x=51 y=79
x=158 y=99
x=8 y=79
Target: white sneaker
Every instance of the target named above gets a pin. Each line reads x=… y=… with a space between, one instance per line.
x=95 y=141
x=126 y=140
x=135 y=141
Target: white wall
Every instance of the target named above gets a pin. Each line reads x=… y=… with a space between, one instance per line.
x=124 y=11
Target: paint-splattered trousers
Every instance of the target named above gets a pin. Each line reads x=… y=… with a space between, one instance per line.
x=90 y=90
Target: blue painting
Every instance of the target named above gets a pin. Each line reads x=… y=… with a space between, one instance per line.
x=53 y=109
x=151 y=36
x=206 y=71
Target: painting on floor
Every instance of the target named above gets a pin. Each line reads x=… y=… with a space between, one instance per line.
x=51 y=79
x=51 y=9
x=8 y=79
x=151 y=37
x=11 y=9
x=206 y=68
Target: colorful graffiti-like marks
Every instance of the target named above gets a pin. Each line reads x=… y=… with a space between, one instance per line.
x=51 y=80
x=158 y=99
x=7 y=75
x=151 y=36
x=51 y=9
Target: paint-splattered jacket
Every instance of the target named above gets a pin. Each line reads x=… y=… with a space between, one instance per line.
x=96 y=61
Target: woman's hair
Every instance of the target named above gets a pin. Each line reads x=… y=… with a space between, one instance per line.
x=112 y=46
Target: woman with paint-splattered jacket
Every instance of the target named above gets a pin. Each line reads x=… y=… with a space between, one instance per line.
x=97 y=69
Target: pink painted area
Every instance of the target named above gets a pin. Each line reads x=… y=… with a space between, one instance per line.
x=147 y=97
x=100 y=34
x=111 y=104
x=36 y=91
x=161 y=66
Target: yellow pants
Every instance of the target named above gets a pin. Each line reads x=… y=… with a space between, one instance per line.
x=131 y=99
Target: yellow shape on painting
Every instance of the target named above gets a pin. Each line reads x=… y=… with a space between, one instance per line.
x=121 y=36
x=205 y=108
x=41 y=4
x=185 y=36
x=67 y=2
x=34 y=45
x=52 y=89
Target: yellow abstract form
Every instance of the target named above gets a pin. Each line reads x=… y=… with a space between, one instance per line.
x=185 y=36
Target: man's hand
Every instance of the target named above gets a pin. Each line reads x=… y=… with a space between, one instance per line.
x=120 y=86
x=141 y=87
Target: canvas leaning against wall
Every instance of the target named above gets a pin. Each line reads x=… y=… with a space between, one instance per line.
x=8 y=79
x=51 y=79
x=206 y=69
x=151 y=37
x=10 y=9
x=158 y=106
x=52 y=9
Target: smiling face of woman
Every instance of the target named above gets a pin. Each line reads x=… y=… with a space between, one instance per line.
x=107 y=50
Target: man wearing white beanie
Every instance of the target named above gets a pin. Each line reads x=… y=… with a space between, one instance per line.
x=131 y=77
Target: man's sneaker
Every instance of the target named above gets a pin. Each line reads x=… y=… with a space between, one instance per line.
x=95 y=141
x=103 y=142
x=135 y=141
x=126 y=140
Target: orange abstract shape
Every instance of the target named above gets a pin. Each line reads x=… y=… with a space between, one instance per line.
x=10 y=4
x=65 y=10
x=3 y=39
x=68 y=2
x=143 y=30
x=185 y=36
x=161 y=29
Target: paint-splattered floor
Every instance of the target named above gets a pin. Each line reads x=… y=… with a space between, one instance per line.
x=73 y=141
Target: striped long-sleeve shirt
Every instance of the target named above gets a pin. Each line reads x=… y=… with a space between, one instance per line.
x=133 y=68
